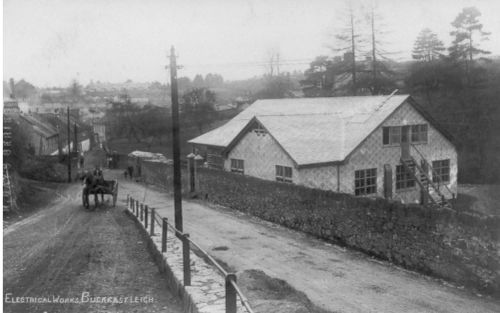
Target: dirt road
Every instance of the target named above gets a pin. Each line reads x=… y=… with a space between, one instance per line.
x=66 y=254
x=334 y=278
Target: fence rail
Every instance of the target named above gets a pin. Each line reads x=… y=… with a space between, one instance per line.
x=144 y=212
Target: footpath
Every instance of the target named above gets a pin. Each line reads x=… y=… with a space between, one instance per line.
x=334 y=278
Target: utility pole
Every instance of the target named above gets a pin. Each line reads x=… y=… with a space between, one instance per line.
x=69 y=151
x=75 y=144
x=59 y=145
x=75 y=147
x=176 y=142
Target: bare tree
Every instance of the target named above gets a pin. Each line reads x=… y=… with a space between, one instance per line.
x=347 y=41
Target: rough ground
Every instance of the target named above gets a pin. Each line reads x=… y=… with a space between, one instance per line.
x=333 y=278
x=63 y=250
x=479 y=198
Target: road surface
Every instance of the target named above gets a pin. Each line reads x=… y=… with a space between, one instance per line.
x=334 y=278
x=64 y=253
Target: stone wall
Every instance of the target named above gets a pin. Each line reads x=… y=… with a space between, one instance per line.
x=457 y=247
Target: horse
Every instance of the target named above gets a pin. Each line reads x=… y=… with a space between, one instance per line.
x=93 y=185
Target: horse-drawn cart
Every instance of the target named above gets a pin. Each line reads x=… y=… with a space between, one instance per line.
x=105 y=187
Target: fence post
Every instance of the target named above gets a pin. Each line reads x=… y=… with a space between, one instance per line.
x=128 y=198
x=186 y=260
x=164 y=235
x=146 y=217
x=230 y=293
x=142 y=212
x=136 y=208
x=131 y=204
x=152 y=226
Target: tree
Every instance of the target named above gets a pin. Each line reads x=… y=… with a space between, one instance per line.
x=427 y=46
x=426 y=73
x=184 y=83
x=198 y=81
x=24 y=90
x=319 y=80
x=347 y=42
x=198 y=107
x=382 y=77
x=275 y=87
x=75 y=91
x=464 y=47
x=213 y=80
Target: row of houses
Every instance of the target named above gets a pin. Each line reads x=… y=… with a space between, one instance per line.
x=47 y=133
x=371 y=146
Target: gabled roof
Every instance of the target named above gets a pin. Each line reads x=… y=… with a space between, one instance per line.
x=311 y=130
x=39 y=126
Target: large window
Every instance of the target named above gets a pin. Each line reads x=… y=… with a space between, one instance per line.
x=237 y=166
x=404 y=178
x=283 y=173
x=365 y=181
x=441 y=173
x=392 y=135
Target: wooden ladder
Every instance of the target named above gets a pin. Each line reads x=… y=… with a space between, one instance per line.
x=7 y=191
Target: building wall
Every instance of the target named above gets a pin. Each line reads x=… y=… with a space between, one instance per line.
x=324 y=177
x=100 y=129
x=261 y=153
x=372 y=154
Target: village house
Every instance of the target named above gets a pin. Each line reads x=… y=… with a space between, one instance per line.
x=375 y=146
x=99 y=130
x=47 y=133
x=43 y=138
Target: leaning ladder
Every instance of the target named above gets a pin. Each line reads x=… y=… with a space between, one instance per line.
x=7 y=191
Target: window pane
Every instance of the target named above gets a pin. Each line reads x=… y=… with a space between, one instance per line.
x=385 y=135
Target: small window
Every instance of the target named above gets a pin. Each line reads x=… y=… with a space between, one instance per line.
x=365 y=182
x=283 y=174
x=385 y=135
x=441 y=171
x=391 y=135
x=237 y=166
x=404 y=178
x=419 y=133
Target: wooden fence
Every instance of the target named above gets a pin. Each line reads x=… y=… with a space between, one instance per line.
x=150 y=218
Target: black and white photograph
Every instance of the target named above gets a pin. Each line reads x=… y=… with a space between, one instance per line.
x=251 y=156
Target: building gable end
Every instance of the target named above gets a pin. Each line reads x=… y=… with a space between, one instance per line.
x=254 y=122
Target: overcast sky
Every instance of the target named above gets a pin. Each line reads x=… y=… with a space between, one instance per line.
x=51 y=42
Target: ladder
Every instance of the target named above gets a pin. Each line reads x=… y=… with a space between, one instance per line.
x=7 y=191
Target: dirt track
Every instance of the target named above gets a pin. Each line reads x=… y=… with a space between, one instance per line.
x=334 y=278
x=64 y=251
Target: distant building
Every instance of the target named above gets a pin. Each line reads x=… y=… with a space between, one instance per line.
x=99 y=130
x=43 y=138
x=48 y=132
x=375 y=146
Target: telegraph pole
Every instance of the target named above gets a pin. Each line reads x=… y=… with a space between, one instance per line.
x=69 y=151
x=176 y=142
x=75 y=144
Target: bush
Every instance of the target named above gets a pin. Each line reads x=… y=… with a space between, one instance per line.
x=43 y=169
